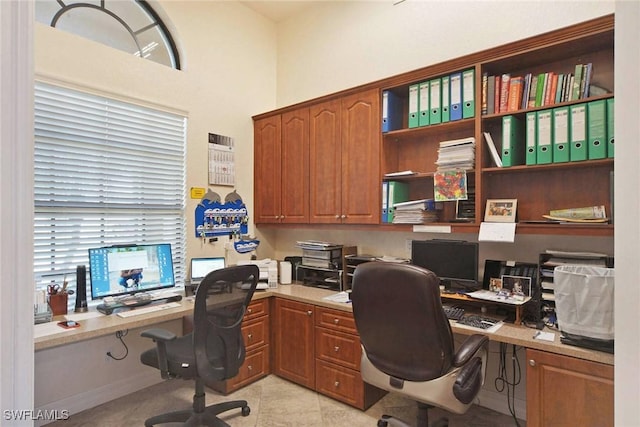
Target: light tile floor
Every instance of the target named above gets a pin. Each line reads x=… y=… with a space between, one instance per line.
x=274 y=402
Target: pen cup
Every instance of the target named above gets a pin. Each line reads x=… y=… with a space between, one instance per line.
x=58 y=303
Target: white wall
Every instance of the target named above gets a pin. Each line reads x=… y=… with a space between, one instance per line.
x=342 y=44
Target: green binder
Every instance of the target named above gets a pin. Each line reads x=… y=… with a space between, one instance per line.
x=531 y=138
x=413 y=107
x=435 y=101
x=423 y=104
x=610 y=127
x=513 y=141
x=545 y=137
x=597 y=129
x=468 y=93
x=578 y=123
x=445 y=99
x=397 y=192
x=561 y=134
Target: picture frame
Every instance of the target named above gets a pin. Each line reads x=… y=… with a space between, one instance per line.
x=518 y=286
x=501 y=210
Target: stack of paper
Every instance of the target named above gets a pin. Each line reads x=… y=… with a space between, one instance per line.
x=415 y=212
x=457 y=154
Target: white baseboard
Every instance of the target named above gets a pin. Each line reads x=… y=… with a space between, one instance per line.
x=498 y=402
x=100 y=395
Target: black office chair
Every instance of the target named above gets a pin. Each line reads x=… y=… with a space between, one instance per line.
x=214 y=351
x=407 y=343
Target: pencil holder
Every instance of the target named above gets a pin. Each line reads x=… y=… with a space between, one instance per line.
x=58 y=303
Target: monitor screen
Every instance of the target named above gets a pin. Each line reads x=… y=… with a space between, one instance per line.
x=455 y=262
x=127 y=269
x=200 y=267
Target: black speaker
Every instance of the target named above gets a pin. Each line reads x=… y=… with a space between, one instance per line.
x=81 y=289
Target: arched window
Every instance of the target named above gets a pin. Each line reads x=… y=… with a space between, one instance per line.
x=128 y=25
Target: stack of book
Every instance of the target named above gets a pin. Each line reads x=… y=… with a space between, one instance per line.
x=415 y=212
x=457 y=154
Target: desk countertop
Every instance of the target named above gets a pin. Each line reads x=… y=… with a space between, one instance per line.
x=94 y=324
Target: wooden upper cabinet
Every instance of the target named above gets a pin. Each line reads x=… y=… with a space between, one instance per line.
x=267 y=169
x=282 y=168
x=345 y=160
x=295 y=167
x=361 y=146
x=325 y=162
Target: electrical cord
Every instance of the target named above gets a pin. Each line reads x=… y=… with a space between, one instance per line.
x=502 y=381
x=120 y=335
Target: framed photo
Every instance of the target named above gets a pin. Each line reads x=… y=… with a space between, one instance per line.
x=501 y=210
x=517 y=285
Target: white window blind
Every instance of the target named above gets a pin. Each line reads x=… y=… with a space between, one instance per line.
x=106 y=173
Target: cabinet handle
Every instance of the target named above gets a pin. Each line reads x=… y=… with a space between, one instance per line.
x=309 y=313
x=343 y=216
x=250 y=368
x=532 y=362
x=249 y=337
x=249 y=311
x=337 y=384
x=336 y=349
x=336 y=321
x=337 y=216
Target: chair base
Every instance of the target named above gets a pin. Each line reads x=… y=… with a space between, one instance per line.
x=422 y=419
x=207 y=417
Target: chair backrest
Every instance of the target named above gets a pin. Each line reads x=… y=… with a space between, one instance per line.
x=400 y=320
x=220 y=306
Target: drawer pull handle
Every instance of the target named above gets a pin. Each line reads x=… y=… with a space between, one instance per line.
x=250 y=368
x=249 y=311
x=532 y=362
x=336 y=349
x=309 y=313
x=337 y=384
x=249 y=337
x=336 y=321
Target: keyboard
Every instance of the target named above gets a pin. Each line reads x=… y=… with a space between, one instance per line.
x=453 y=313
x=148 y=309
x=477 y=321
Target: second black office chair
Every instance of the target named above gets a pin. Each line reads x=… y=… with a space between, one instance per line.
x=214 y=351
x=407 y=342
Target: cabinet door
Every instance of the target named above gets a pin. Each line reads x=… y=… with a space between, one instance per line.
x=361 y=146
x=293 y=343
x=325 y=169
x=295 y=167
x=267 y=166
x=565 y=391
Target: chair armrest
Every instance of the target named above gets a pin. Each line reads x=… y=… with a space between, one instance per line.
x=469 y=348
x=158 y=334
x=161 y=337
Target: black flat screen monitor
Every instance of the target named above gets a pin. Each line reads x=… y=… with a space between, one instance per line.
x=128 y=269
x=455 y=262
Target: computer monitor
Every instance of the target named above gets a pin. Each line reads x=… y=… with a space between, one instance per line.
x=455 y=262
x=128 y=269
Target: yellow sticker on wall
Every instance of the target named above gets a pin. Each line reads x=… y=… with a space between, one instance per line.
x=197 y=192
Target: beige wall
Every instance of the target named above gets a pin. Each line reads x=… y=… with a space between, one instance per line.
x=228 y=54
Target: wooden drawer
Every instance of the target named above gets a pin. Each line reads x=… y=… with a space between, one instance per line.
x=339 y=348
x=257 y=308
x=255 y=333
x=340 y=383
x=336 y=320
x=255 y=366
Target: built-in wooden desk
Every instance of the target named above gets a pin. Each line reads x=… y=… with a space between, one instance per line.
x=94 y=324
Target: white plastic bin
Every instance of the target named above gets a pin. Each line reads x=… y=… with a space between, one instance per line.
x=584 y=300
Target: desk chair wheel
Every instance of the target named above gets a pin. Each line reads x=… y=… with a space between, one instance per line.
x=246 y=411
